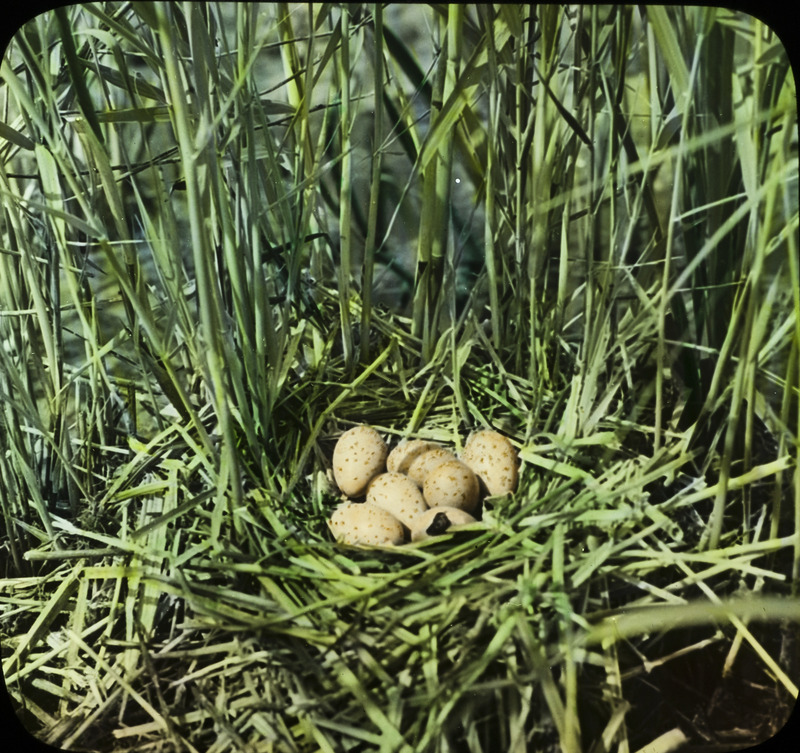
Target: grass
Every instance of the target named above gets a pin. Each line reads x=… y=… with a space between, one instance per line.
x=231 y=231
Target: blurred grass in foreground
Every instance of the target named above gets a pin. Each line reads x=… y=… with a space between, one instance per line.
x=231 y=231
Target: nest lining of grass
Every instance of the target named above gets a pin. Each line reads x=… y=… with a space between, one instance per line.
x=310 y=636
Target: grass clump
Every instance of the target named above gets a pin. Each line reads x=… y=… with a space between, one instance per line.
x=232 y=231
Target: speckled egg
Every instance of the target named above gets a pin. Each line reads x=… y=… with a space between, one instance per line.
x=437 y=520
x=401 y=457
x=397 y=494
x=425 y=462
x=359 y=456
x=493 y=459
x=452 y=484
x=363 y=524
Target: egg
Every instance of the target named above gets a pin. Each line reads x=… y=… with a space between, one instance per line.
x=359 y=456
x=426 y=461
x=397 y=494
x=363 y=524
x=493 y=459
x=436 y=520
x=401 y=457
x=452 y=484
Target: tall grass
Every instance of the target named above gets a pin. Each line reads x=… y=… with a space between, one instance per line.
x=231 y=231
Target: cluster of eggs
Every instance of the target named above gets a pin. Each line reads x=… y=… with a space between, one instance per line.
x=419 y=489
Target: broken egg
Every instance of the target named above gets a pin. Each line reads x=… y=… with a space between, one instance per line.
x=437 y=520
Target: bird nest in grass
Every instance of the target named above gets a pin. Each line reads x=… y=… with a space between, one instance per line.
x=584 y=598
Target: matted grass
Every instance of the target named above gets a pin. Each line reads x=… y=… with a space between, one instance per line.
x=232 y=231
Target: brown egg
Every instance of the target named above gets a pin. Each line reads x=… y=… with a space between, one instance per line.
x=493 y=459
x=397 y=494
x=363 y=524
x=452 y=484
x=359 y=456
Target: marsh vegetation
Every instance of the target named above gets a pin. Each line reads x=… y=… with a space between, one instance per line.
x=230 y=232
